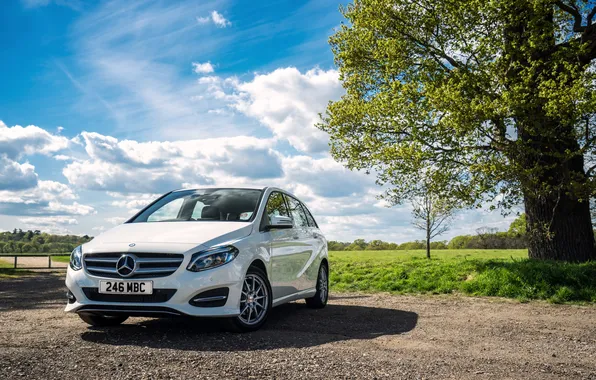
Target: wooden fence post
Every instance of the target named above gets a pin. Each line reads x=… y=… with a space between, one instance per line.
x=15 y=262
x=49 y=261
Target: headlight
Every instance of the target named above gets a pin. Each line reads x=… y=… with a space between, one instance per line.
x=76 y=258
x=212 y=258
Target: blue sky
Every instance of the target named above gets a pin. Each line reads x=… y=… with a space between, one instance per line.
x=104 y=105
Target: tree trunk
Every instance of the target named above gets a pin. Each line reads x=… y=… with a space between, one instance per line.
x=428 y=247
x=559 y=228
x=559 y=225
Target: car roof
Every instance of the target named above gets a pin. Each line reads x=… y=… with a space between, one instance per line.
x=272 y=188
x=222 y=187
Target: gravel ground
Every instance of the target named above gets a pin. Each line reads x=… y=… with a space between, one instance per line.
x=356 y=336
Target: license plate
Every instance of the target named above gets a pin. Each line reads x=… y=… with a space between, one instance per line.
x=126 y=287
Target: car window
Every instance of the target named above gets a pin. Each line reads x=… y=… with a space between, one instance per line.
x=276 y=206
x=203 y=205
x=309 y=217
x=168 y=212
x=297 y=212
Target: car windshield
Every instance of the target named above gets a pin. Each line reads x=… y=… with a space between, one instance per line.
x=203 y=205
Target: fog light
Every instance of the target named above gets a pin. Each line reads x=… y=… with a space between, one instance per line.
x=71 y=297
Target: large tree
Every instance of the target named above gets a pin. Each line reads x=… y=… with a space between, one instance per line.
x=491 y=99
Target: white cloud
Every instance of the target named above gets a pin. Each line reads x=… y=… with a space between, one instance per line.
x=133 y=167
x=15 y=176
x=285 y=100
x=48 y=198
x=116 y=220
x=18 y=141
x=62 y=157
x=202 y=68
x=218 y=19
x=51 y=224
x=134 y=201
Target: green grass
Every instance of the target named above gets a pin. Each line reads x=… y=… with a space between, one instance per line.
x=61 y=259
x=500 y=273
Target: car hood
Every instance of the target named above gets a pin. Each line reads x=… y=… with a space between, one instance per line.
x=166 y=236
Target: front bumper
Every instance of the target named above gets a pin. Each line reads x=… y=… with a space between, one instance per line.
x=185 y=283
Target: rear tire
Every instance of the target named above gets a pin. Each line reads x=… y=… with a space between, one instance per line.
x=319 y=300
x=255 y=303
x=97 y=320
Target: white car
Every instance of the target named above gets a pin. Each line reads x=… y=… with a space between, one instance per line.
x=224 y=252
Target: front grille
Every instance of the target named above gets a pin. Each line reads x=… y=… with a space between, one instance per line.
x=159 y=295
x=150 y=265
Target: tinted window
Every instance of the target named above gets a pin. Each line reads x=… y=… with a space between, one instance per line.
x=297 y=212
x=276 y=206
x=309 y=217
x=203 y=205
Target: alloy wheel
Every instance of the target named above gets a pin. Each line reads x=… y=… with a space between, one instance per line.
x=323 y=284
x=254 y=300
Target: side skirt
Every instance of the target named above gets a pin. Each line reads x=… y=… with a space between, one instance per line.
x=296 y=296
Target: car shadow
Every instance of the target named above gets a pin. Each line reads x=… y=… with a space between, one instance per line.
x=32 y=290
x=289 y=326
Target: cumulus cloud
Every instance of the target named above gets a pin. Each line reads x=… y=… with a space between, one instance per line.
x=217 y=18
x=130 y=166
x=51 y=224
x=15 y=176
x=286 y=101
x=326 y=177
x=18 y=141
x=48 y=198
x=135 y=201
x=116 y=220
x=202 y=68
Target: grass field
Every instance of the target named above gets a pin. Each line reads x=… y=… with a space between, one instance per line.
x=502 y=273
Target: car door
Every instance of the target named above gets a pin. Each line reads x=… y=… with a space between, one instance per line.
x=283 y=245
x=305 y=256
x=319 y=247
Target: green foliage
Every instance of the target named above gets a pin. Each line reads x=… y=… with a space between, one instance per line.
x=433 y=91
x=379 y=245
x=479 y=273
x=518 y=226
x=19 y=241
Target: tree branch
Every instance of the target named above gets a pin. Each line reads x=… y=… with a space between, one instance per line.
x=573 y=11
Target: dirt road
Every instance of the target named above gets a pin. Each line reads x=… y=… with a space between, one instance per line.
x=356 y=336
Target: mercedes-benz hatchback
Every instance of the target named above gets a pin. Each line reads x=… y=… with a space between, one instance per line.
x=221 y=252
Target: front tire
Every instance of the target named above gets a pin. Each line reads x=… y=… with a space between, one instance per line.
x=255 y=302
x=97 y=320
x=319 y=300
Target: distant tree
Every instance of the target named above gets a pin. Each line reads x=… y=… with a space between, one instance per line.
x=411 y=245
x=357 y=245
x=333 y=245
x=432 y=215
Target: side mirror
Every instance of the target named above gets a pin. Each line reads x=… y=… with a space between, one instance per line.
x=279 y=222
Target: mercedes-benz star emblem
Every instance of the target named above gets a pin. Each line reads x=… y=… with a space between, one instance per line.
x=126 y=265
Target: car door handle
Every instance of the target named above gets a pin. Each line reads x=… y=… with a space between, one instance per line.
x=296 y=237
